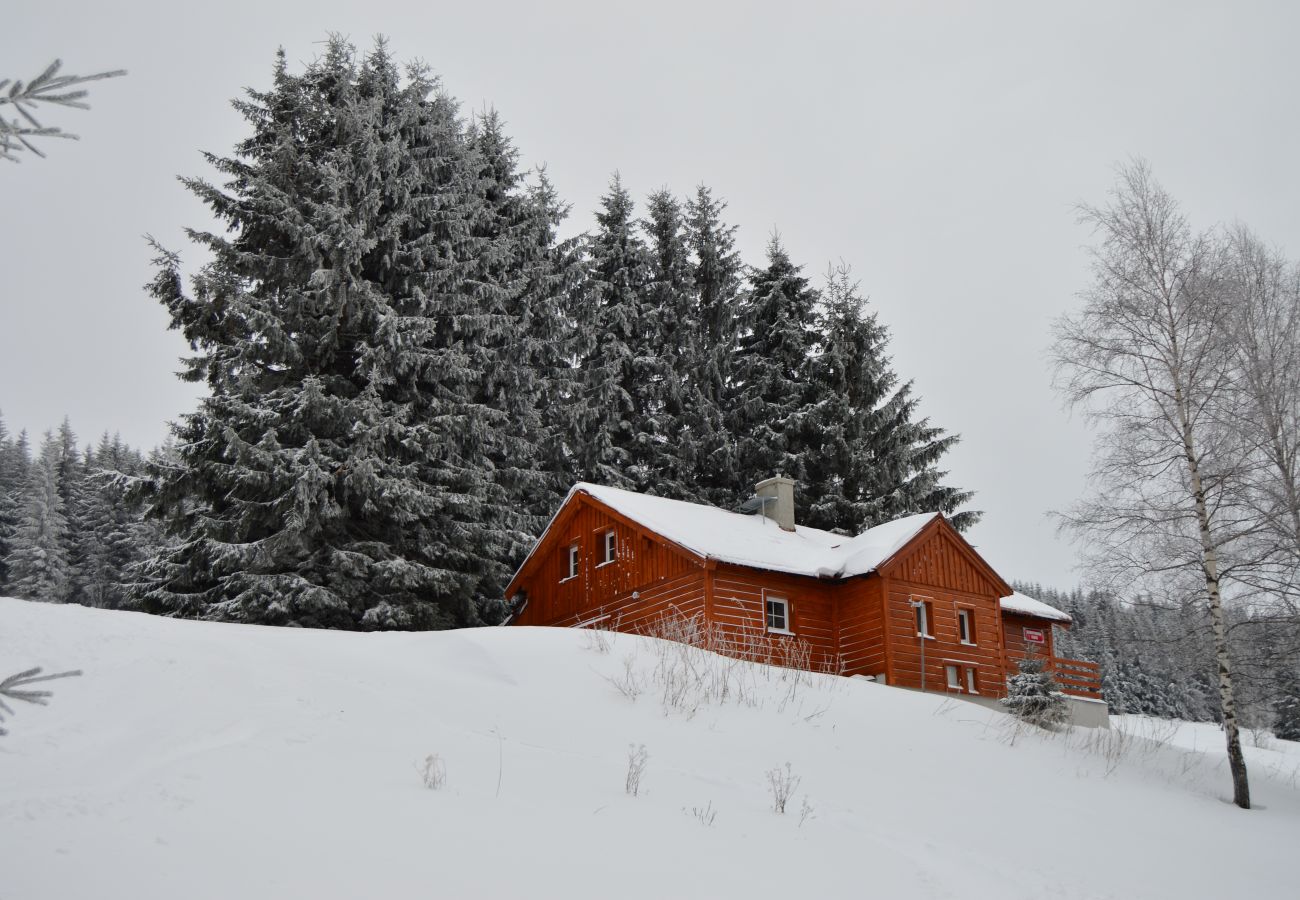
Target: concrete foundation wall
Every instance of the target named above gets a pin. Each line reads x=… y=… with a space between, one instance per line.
x=1084 y=712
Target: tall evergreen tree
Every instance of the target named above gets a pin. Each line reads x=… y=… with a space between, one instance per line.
x=876 y=461
x=38 y=559
x=772 y=397
x=717 y=277
x=524 y=364
x=109 y=536
x=610 y=319
x=665 y=355
x=13 y=482
x=334 y=477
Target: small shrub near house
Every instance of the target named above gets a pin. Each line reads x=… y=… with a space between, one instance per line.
x=1033 y=695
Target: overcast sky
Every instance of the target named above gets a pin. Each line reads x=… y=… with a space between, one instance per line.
x=938 y=148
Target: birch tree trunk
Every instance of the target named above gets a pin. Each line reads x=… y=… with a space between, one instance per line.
x=1214 y=597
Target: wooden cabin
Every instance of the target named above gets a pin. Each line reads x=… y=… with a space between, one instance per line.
x=877 y=604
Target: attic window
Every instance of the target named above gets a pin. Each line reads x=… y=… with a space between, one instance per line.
x=573 y=562
x=777 y=613
x=611 y=547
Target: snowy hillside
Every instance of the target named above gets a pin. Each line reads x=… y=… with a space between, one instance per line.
x=201 y=761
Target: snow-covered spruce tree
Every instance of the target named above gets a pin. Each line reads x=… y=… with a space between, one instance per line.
x=14 y=462
x=1033 y=695
x=38 y=550
x=1286 y=708
x=717 y=276
x=874 y=461
x=664 y=454
x=772 y=396
x=336 y=475
x=524 y=358
x=108 y=535
x=611 y=319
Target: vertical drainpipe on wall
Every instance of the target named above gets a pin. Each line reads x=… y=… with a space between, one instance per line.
x=920 y=634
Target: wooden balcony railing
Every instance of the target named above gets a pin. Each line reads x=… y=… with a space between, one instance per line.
x=1075 y=676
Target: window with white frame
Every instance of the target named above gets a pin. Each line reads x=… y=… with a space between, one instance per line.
x=777 y=613
x=611 y=546
x=954 y=677
x=966 y=625
x=924 y=618
x=962 y=678
x=573 y=562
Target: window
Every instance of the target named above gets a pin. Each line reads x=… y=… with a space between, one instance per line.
x=954 y=677
x=966 y=625
x=611 y=547
x=962 y=678
x=777 y=611
x=573 y=562
x=924 y=618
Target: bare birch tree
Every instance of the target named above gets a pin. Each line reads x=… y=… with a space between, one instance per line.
x=1264 y=322
x=1146 y=361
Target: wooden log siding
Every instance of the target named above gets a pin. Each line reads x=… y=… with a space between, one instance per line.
x=940 y=570
x=739 y=616
x=643 y=563
x=1013 y=634
x=862 y=627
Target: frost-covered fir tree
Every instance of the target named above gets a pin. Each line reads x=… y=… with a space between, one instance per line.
x=336 y=475
x=109 y=536
x=717 y=276
x=1033 y=695
x=664 y=455
x=611 y=318
x=38 y=554
x=525 y=358
x=14 y=462
x=1286 y=708
x=874 y=461
x=772 y=397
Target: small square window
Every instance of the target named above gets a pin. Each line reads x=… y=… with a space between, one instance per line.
x=924 y=619
x=954 y=677
x=573 y=561
x=972 y=681
x=966 y=625
x=611 y=546
x=778 y=614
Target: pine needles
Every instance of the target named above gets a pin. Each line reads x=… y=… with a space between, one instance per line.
x=23 y=97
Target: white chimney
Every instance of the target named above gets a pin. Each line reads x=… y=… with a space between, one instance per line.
x=780 y=506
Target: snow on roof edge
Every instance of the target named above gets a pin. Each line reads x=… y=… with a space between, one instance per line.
x=1025 y=605
x=752 y=541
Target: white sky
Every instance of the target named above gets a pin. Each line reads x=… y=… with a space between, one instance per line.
x=938 y=148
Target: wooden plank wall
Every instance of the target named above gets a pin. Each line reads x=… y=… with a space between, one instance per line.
x=738 y=614
x=946 y=647
x=1013 y=632
x=862 y=626
x=661 y=574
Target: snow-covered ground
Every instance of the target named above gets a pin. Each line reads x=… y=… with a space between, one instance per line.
x=196 y=760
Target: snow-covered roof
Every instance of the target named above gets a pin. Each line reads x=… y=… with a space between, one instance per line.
x=1027 y=606
x=756 y=541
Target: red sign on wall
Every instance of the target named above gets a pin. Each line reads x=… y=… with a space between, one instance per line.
x=1034 y=636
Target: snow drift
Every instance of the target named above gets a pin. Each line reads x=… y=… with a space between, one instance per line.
x=202 y=760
